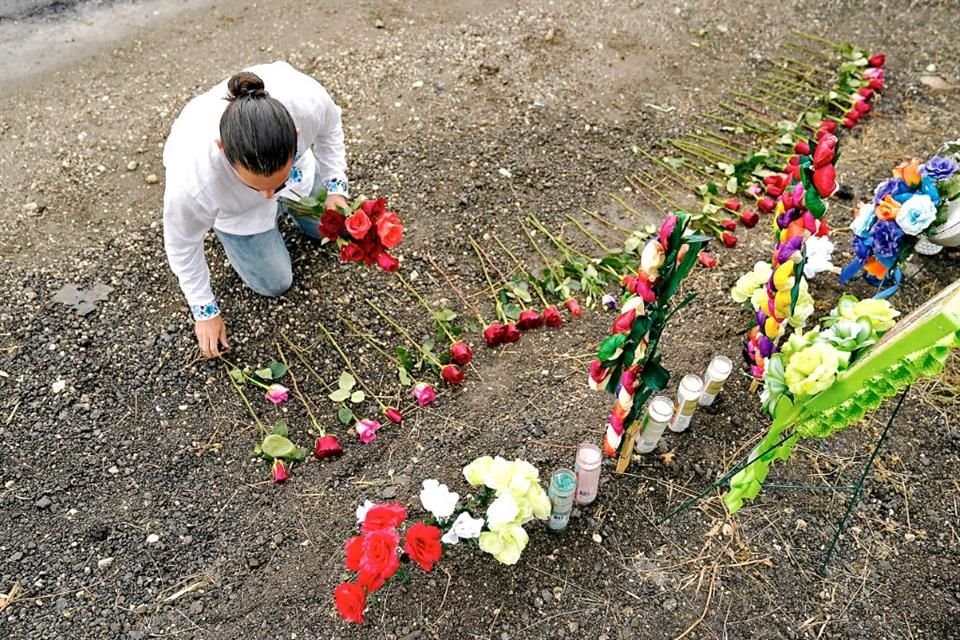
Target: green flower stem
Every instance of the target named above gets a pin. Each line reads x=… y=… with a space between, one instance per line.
x=803 y=76
x=429 y=309
x=562 y=246
x=612 y=225
x=549 y=264
x=523 y=270
x=764 y=130
x=818 y=39
x=243 y=396
x=752 y=102
x=493 y=290
x=762 y=127
x=636 y=184
x=782 y=98
x=504 y=277
x=347 y=361
x=406 y=334
x=653 y=202
x=704 y=152
x=670 y=171
x=246 y=378
x=775 y=81
x=366 y=338
x=456 y=290
x=717 y=142
x=814 y=69
x=823 y=55
x=296 y=388
x=586 y=232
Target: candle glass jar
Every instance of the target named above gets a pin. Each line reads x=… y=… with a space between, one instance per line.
x=717 y=373
x=563 y=483
x=655 y=422
x=688 y=396
x=587 y=467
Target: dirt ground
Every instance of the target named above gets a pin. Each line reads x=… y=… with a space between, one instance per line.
x=438 y=96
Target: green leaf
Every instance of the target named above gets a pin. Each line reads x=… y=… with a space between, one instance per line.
x=345 y=415
x=358 y=396
x=237 y=376
x=727 y=169
x=346 y=381
x=340 y=395
x=280 y=428
x=445 y=315
x=277 y=446
x=731 y=185
x=404 y=376
x=610 y=347
x=300 y=455
x=277 y=370
x=511 y=311
x=654 y=376
x=404 y=357
x=676 y=163
x=264 y=374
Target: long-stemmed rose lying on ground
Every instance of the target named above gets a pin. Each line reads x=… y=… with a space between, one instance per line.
x=494 y=333
x=365 y=233
x=326 y=445
x=550 y=315
x=460 y=352
x=505 y=331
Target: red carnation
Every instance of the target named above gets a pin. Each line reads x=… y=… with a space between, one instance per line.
x=573 y=307
x=707 y=259
x=729 y=224
x=452 y=374
x=351 y=252
x=351 y=601
x=387 y=262
x=529 y=319
x=493 y=334
x=749 y=218
x=552 y=317
x=728 y=239
x=766 y=204
x=510 y=332
x=384 y=516
x=461 y=353
x=802 y=147
x=332 y=224
x=327 y=447
x=358 y=224
x=876 y=60
x=423 y=545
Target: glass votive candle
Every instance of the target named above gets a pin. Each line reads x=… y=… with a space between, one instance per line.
x=587 y=467
x=717 y=373
x=659 y=414
x=688 y=395
x=563 y=483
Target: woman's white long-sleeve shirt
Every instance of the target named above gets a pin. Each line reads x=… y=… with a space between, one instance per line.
x=203 y=191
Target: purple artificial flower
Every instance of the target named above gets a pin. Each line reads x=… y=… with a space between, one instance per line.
x=766 y=346
x=861 y=247
x=939 y=168
x=761 y=319
x=784 y=219
x=789 y=248
x=890 y=187
x=887 y=236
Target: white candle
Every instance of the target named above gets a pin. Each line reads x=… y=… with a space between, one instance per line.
x=688 y=395
x=717 y=373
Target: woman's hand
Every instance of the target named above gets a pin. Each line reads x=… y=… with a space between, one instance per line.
x=337 y=202
x=211 y=334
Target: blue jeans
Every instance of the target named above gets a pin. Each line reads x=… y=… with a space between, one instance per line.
x=262 y=260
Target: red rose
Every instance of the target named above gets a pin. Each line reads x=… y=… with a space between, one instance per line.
x=510 y=332
x=766 y=204
x=351 y=252
x=394 y=415
x=624 y=322
x=802 y=147
x=389 y=229
x=707 y=259
x=374 y=208
x=825 y=180
x=876 y=84
x=728 y=239
x=351 y=601
x=387 y=262
x=384 y=516
x=749 y=218
x=828 y=125
x=279 y=470
x=876 y=60
x=573 y=307
x=358 y=224
x=729 y=224
x=552 y=317
x=825 y=151
x=327 y=447
x=370 y=581
x=732 y=204
x=354 y=553
x=379 y=558
x=862 y=107
x=461 y=353
x=866 y=92
x=423 y=545
x=529 y=319
x=493 y=334
x=332 y=224
x=823 y=229
x=452 y=374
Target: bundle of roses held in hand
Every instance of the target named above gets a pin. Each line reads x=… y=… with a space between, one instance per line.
x=627 y=364
x=365 y=233
x=375 y=554
x=914 y=203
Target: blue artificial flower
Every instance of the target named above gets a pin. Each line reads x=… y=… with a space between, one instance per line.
x=861 y=247
x=929 y=187
x=890 y=187
x=939 y=168
x=866 y=216
x=887 y=236
x=916 y=214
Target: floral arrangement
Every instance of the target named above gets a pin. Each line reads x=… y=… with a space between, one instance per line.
x=829 y=378
x=364 y=233
x=627 y=364
x=911 y=205
x=510 y=496
x=778 y=292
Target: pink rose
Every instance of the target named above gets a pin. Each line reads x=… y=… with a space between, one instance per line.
x=424 y=394
x=367 y=430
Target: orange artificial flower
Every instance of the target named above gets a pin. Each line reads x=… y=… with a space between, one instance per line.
x=887 y=209
x=909 y=172
x=875 y=268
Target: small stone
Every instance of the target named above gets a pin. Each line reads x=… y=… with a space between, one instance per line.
x=378 y=23
x=132 y=165
x=152 y=179
x=935 y=82
x=670 y=604
x=103 y=563
x=573 y=626
x=278 y=539
x=389 y=492
x=504 y=172
x=418 y=84
x=931 y=68
x=43 y=503
x=597 y=538
x=59 y=386
x=113 y=470
x=16 y=557
x=909 y=537
x=253 y=563
x=30 y=207
x=153 y=538
x=546 y=596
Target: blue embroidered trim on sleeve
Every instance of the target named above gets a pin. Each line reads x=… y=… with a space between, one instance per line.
x=205 y=311
x=338 y=186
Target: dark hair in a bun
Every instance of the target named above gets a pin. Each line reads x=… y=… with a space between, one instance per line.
x=256 y=129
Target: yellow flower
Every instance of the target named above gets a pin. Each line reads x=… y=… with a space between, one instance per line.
x=477 y=471
x=813 y=369
x=781 y=303
x=783 y=279
x=505 y=543
x=540 y=502
x=771 y=328
x=880 y=313
x=759 y=299
x=749 y=282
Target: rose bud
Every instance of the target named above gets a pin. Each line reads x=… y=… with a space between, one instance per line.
x=749 y=218
x=825 y=180
x=452 y=374
x=493 y=334
x=729 y=224
x=876 y=84
x=728 y=239
x=866 y=92
x=529 y=319
x=423 y=393
x=394 y=415
x=279 y=470
x=461 y=353
x=802 y=147
x=327 y=447
x=828 y=125
x=862 y=107
x=573 y=307
x=876 y=60
x=277 y=393
x=732 y=204
x=510 y=333
x=766 y=204
x=552 y=317
x=387 y=262
x=825 y=151
x=624 y=322
x=754 y=190
x=707 y=259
